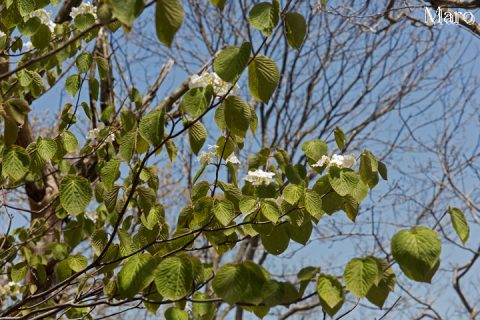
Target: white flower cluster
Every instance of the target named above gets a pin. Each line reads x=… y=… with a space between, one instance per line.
x=84 y=8
x=2 y=34
x=29 y=46
x=8 y=288
x=45 y=18
x=220 y=87
x=207 y=157
x=336 y=160
x=259 y=177
x=95 y=133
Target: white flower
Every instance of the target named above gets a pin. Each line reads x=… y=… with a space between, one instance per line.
x=259 y=177
x=232 y=159
x=212 y=147
x=92 y=215
x=205 y=157
x=84 y=8
x=110 y=138
x=220 y=87
x=340 y=161
x=2 y=34
x=29 y=46
x=44 y=17
x=11 y=284
x=324 y=160
x=93 y=134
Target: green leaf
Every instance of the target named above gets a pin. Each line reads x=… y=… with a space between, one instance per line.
x=19 y=271
x=197 y=135
x=168 y=19
x=196 y=101
x=231 y=282
x=202 y=310
x=314 y=150
x=264 y=16
x=173 y=313
x=41 y=39
x=292 y=193
x=30 y=27
x=127 y=145
x=126 y=10
x=340 y=137
x=84 y=21
x=263 y=77
x=109 y=173
x=295 y=30
x=313 y=203
x=382 y=169
x=331 y=294
x=15 y=162
x=83 y=62
x=224 y=211
x=136 y=274
x=77 y=262
x=369 y=169
x=98 y=241
x=25 y=7
x=247 y=204
x=460 y=224
x=174 y=277
x=70 y=142
x=417 y=251
x=347 y=182
x=231 y=61
x=277 y=241
x=75 y=194
x=270 y=210
x=152 y=126
x=237 y=115
x=360 y=275
x=72 y=84
x=46 y=147
x=378 y=294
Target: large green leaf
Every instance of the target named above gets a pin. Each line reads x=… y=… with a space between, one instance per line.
x=313 y=203
x=276 y=242
x=109 y=173
x=292 y=193
x=347 y=182
x=237 y=115
x=360 y=275
x=84 y=62
x=197 y=135
x=417 y=251
x=295 y=29
x=46 y=147
x=270 y=210
x=25 y=7
x=75 y=194
x=314 y=150
x=174 y=313
x=15 y=162
x=136 y=274
x=264 y=16
x=231 y=282
x=263 y=77
x=224 y=211
x=460 y=224
x=378 y=294
x=231 y=61
x=196 y=101
x=77 y=262
x=168 y=19
x=152 y=126
x=126 y=10
x=174 y=277
x=331 y=293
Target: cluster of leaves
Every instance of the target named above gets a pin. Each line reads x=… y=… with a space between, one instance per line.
x=150 y=260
